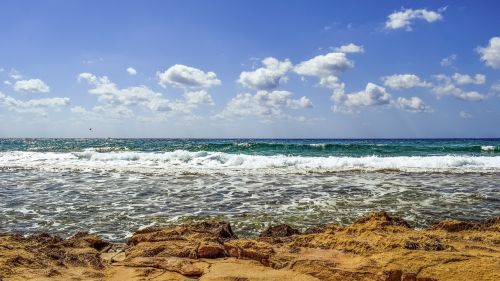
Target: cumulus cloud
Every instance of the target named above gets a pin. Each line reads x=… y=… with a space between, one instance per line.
x=326 y=68
x=331 y=64
x=448 y=87
x=263 y=104
x=191 y=101
x=268 y=77
x=490 y=54
x=198 y=97
x=187 y=77
x=109 y=94
x=131 y=71
x=350 y=48
x=413 y=104
x=117 y=103
x=36 y=106
x=372 y=95
x=31 y=85
x=98 y=111
x=404 y=81
x=406 y=17
x=464 y=79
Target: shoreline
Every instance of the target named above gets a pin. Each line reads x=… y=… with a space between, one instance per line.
x=377 y=246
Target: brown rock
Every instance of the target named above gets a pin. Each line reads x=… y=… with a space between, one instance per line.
x=381 y=219
x=377 y=247
x=282 y=230
x=393 y=275
x=409 y=277
x=250 y=249
x=211 y=251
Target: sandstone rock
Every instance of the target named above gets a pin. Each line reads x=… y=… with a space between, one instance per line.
x=380 y=219
x=250 y=249
x=282 y=230
x=377 y=247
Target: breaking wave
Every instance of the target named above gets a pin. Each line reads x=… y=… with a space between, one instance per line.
x=221 y=162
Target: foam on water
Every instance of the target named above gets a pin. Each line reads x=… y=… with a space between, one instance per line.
x=113 y=187
x=488 y=148
x=206 y=162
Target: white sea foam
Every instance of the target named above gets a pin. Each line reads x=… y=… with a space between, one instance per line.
x=207 y=162
x=322 y=145
x=488 y=148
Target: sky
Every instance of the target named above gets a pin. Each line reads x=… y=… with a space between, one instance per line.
x=250 y=69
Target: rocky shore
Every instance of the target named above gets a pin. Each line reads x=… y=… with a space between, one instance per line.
x=375 y=247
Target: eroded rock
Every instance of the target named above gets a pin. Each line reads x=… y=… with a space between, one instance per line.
x=376 y=247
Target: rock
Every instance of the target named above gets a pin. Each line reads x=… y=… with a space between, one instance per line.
x=207 y=231
x=409 y=277
x=185 y=267
x=83 y=239
x=282 y=230
x=393 y=275
x=249 y=249
x=315 y=230
x=211 y=251
x=452 y=225
x=380 y=219
x=376 y=247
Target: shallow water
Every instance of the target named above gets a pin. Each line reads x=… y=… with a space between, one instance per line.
x=113 y=192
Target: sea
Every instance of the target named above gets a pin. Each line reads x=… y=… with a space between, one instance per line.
x=112 y=187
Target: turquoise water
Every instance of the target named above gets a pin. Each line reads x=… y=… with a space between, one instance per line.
x=296 y=147
x=114 y=186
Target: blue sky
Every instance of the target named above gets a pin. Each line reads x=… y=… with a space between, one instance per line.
x=333 y=69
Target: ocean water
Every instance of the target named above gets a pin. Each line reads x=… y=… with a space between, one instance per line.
x=115 y=186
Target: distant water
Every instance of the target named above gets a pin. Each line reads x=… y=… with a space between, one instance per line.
x=114 y=186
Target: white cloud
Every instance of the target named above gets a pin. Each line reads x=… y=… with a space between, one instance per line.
x=131 y=71
x=404 y=18
x=110 y=95
x=7 y=82
x=191 y=101
x=448 y=87
x=465 y=115
x=85 y=113
x=350 y=48
x=326 y=68
x=496 y=87
x=413 y=104
x=117 y=102
x=263 y=104
x=16 y=75
x=187 y=77
x=464 y=79
x=198 y=97
x=268 y=77
x=31 y=85
x=324 y=65
x=404 y=81
x=37 y=106
x=333 y=83
x=491 y=53
x=97 y=112
x=372 y=95
x=449 y=60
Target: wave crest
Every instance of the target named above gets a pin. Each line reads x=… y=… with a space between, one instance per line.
x=206 y=162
